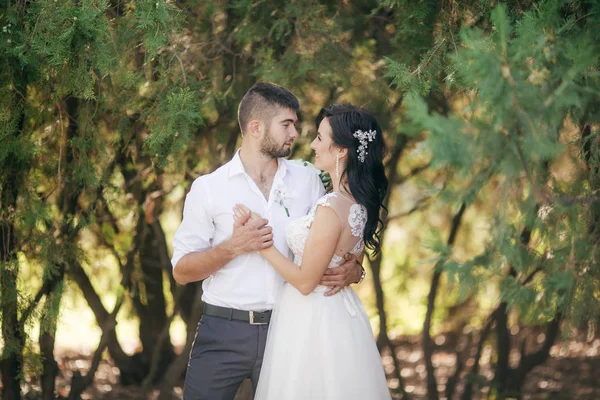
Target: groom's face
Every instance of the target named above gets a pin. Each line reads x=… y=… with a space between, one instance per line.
x=280 y=133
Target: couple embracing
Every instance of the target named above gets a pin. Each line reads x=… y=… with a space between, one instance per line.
x=277 y=255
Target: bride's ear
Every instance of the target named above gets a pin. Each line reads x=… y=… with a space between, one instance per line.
x=343 y=153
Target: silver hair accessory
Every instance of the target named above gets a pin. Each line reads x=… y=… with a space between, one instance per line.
x=364 y=138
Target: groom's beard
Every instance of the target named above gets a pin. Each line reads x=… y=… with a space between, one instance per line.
x=269 y=147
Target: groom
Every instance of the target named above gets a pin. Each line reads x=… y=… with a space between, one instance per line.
x=240 y=287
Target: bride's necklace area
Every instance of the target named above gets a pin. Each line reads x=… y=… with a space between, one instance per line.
x=343 y=191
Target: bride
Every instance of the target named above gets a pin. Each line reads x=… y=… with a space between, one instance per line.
x=322 y=347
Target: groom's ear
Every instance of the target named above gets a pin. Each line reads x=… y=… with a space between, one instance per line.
x=255 y=127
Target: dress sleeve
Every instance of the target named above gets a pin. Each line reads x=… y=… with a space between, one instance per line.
x=337 y=203
x=197 y=228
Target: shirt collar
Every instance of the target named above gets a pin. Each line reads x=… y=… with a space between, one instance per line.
x=236 y=167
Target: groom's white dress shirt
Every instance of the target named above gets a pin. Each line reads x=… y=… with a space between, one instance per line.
x=247 y=282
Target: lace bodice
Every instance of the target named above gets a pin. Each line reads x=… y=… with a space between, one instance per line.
x=353 y=214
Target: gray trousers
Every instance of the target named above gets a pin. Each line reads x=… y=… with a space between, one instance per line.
x=224 y=353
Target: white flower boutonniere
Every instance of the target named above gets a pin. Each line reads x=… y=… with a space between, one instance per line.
x=283 y=197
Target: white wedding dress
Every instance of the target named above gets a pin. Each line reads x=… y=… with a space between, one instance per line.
x=318 y=347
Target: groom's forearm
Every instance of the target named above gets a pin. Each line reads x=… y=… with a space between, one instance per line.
x=195 y=266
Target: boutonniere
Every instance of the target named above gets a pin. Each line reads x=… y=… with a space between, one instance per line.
x=283 y=197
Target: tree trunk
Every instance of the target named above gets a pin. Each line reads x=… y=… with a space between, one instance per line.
x=177 y=368
x=474 y=373
x=49 y=365
x=528 y=362
x=54 y=285
x=503 y=343
x=129 y=371
x=375 y=263
x=379 y=300
x=12 y=335
x=383 y=339
x=432 y=392
x=11 y=364
x=79 y=383
x=590 y=152
x=150 y=305
x=502 y=350
x=148 y=296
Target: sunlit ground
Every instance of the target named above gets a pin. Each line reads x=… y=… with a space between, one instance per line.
x=570 y=373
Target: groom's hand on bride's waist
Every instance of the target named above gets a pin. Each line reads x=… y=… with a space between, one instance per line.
x=250 y=235
x=344 y=275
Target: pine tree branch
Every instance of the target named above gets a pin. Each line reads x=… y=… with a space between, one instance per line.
x=569 y=200
x=507 y=74
x=414 y=172
x=110 y=247
x=111 y=217
x=531 y=276
x=524 y=164
x=29 y=310
x=421 y=67
x=421 y=204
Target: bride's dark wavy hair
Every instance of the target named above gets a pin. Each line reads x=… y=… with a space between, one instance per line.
x=366 y=180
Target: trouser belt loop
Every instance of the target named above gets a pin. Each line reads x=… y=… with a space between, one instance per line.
x=252 y=317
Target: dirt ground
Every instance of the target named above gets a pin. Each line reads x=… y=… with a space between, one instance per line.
x=572 y=372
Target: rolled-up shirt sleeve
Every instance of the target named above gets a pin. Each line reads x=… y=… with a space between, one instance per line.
x=197 y=228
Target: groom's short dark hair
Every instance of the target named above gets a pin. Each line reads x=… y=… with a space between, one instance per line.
x=262 y=102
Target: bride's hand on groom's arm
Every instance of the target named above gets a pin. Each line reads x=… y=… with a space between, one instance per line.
x=346 y=274
x=252 y=228
x=241 y=212
x=250 y=232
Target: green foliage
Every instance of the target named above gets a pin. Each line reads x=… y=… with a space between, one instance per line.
x=154 y=20
x=173 y=122
x=525 y=83
x=108 y=110
x=66 y=67
x=402 y=76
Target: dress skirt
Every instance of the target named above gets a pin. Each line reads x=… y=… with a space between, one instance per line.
x=321 y=348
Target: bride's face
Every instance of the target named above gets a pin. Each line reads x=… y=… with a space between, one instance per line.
x=324 y=148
